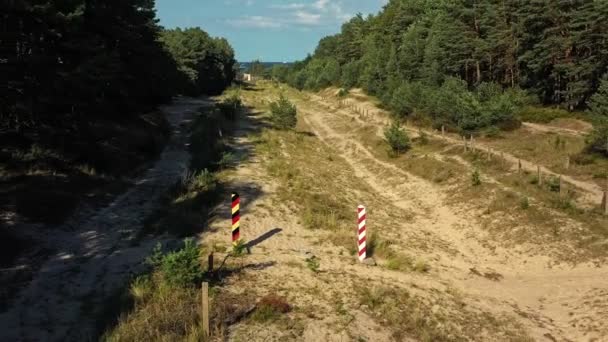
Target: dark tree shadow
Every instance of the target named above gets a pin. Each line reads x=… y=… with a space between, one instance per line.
x=263 y=237
x=306 y=133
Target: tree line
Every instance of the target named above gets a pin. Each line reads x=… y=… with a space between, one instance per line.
x=465 y=63
x=67 y=62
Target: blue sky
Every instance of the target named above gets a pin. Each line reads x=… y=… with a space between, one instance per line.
x=270 y=30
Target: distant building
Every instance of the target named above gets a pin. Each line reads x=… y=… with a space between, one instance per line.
x=247 y=77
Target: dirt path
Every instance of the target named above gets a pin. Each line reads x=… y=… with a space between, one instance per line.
x=553 y=129
x=592 y=193
x=96 y=252
x=554 y=301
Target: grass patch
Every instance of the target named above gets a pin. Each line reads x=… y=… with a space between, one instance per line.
x=270 y=308
x=435 y=319
x=543 y=114
x=302 y=182
x=313 y=263
x=552 y=151
x=396 y=261
x=161 y=313
x=165 y=301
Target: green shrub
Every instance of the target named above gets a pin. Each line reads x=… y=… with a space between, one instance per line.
x=598 y=103
x=598 y=140
x=542 y=114
x=475 y=178
x=582 y=159
x=407 y=99
x=492 y=132
x=313 y=264
x=202 y=181
x=239 y=248
x=423 y=137
x=343 y=92
x=283 y=113
x=397 y=138
x=524 y=203
x=554 y=184
x=228 y=158
x=182 y=268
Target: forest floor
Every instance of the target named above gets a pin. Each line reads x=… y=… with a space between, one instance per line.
x=94 y=253
x=453 y=261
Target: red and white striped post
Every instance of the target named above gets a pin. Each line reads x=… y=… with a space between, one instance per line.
x=362 y=233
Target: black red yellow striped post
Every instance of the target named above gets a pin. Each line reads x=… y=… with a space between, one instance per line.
x=236 y=218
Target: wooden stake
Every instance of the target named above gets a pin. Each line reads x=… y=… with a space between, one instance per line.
x=205 y=308
x=464 y=139
x=519 y=166
x=605 y=203
x=567 y=162
x=540 y=176
x=443 y=130
x=210 y=263
x=562 y=189
x=472 y=141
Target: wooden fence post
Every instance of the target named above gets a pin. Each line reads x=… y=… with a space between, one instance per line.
x=605 y=202
x=567 y=162
x=540 y=176
x=210 y=263
x=443 y=130
x=205 y=308
x=464 y=140
x=562 y=189
x=519 y=166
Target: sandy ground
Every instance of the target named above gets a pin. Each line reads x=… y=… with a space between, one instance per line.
x=556 y=129
x=96 y=251
x=592 y=193
x=553 y=302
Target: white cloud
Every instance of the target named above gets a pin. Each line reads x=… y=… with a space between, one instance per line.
x=289 y=6
x=307 y=18
x=320 y=4
x=300 y=14
x=255 y=21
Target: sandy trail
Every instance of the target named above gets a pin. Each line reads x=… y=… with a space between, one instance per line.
x=550 y=299
x=97 y=252
x=592 y=193
x=554 y=129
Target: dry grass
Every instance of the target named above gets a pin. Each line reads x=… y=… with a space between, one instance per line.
x=444 y=318
x=548 y=216
x=161 y=313
x=307 y=179
x=552 y=150
x=270 y=308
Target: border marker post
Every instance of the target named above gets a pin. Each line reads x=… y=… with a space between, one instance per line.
x=236 y=218
x=362 y=234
